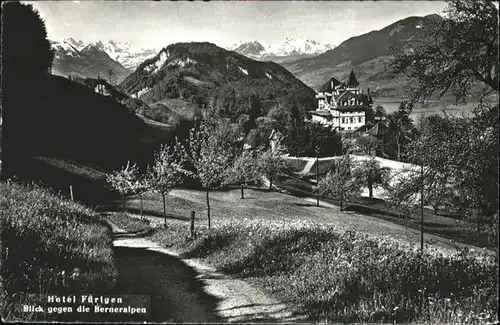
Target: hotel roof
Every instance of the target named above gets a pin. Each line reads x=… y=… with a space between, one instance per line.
x=327 y=86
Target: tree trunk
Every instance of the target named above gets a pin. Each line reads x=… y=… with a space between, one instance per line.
x=242 y=194
x=422 y=208
x=164 y=210
x=208 y=207
x=399 y=149
x=478 y=226
x=317 y=178
x=341 y=202
x=270 y=182
x=123 y=203
x=370 y=187
x=140 y=195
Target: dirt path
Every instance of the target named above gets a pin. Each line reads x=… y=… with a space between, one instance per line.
x=186 y=290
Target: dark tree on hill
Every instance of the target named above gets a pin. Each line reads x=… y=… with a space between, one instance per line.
x=352 y=80
x=111 y=76
x=26 y=61
x=33 y=56
x=453 y=54
x=296 y=116
x=253 y=111
x=309 y=136
x=254 y=108
x=281 y=119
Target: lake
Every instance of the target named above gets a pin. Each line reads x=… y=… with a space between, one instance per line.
x=433 y=107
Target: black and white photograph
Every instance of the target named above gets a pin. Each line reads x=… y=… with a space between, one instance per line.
x=249 y=162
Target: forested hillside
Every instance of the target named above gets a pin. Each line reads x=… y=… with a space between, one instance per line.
x=206 y=75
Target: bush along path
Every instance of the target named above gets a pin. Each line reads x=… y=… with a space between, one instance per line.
x=330 y=274
x=186 y=289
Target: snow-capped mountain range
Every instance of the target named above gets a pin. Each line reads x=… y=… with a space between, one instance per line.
x=130 y=55
x=75 y=58
x=288 y=48
x=127 y=54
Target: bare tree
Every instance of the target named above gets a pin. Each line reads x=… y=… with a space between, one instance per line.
x=245 y=169
x=372 y=175
x=340 y=182
x=210 y=151
x=272 y=161
x=123 y=180
x=165 y=173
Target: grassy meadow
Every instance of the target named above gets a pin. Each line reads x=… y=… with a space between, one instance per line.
x=50 y=246
x=331 y=274
x=260 y=204
x=445 y=224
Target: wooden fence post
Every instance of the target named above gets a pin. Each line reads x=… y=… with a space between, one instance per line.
x=71 y=192
x=192 y=223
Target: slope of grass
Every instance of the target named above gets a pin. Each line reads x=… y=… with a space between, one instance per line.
x=180 y=106
x=69 y=129
x=445 y=224
x=169 y=111
x=260 y=204
x=50 y=246
x=334 y=275
x=88 y=183
x=73 y=167
x=449 y=224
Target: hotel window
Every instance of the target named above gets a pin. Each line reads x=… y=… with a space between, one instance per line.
x=360 y=119
x=351 y=119
x=343 y=120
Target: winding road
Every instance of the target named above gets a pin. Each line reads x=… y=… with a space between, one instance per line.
x=187 y=290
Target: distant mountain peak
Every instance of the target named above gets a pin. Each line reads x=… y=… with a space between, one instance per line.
x=74 y=43
x=250 y=48
x=127 y=54
x=86 y=61
x=289 y=46
x=91 y=49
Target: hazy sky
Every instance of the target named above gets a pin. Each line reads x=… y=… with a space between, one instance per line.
x=156 y=24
